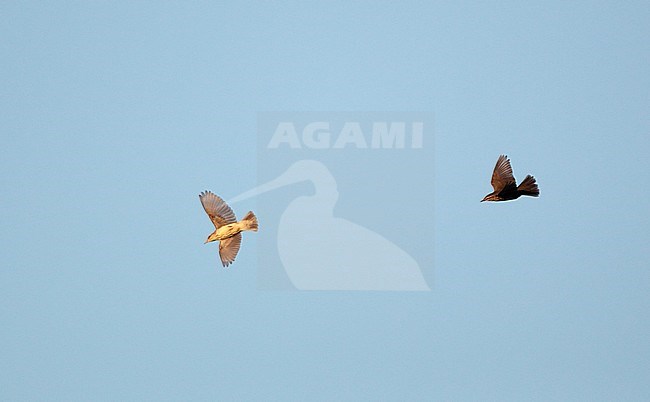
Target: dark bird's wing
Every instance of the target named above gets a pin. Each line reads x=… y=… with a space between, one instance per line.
x=502 y=176
x=219 y=212
x=228 y=249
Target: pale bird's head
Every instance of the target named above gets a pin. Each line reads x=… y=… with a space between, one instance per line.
x=212 y=237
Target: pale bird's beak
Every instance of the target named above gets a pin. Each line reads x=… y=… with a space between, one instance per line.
x=205 y=242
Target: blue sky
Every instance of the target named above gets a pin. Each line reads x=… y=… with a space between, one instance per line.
x=115 y=115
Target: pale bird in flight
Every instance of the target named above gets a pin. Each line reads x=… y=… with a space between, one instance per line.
x=227 y=229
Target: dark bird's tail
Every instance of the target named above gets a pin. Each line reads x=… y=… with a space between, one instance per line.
x=529 y=187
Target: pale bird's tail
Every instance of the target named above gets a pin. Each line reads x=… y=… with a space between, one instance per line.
x=529 y=187
x=249 y=222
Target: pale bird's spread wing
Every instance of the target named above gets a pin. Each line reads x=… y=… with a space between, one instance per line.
x=228 y=249
x=219 y=212
x=502 y=175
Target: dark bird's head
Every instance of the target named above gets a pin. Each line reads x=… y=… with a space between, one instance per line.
x=491 y=197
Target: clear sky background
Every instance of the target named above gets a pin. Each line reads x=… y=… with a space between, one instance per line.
x=116 y=114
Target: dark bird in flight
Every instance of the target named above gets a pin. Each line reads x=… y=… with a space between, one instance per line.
x=227 y=229
x=505 y=186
